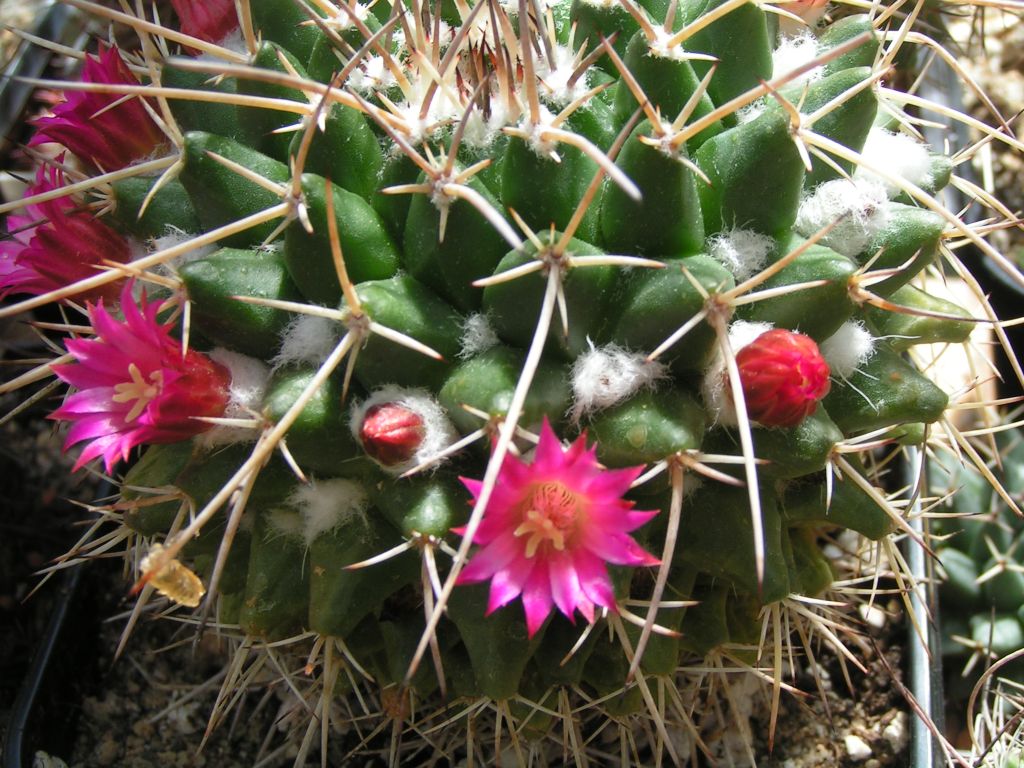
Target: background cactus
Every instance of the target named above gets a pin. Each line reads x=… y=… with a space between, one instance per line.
x=378 y=253
x=983 y=639
x=982 y=575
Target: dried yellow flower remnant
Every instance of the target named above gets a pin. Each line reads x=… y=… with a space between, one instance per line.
x=174 y=580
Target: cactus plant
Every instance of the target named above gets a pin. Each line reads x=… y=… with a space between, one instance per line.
x=515 y=354
x=980 y=536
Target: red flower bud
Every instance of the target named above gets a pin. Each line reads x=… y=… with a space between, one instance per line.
x=391 y=433
x=783 y=376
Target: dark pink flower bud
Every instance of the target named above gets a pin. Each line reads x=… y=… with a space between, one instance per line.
x=391 y=433
x=784 y=376
x=209 y=20
x=56 y=243
x=107 y=130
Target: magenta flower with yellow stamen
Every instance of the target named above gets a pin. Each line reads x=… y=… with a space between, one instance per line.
x=107 y=130
x=53 y=244
x=136 y=384
x=209 y=20
x=550 y=529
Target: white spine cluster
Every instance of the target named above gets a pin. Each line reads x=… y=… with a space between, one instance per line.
x=604 y=376
x=847 y=348
x=306 y=339
x=715 y=386
x=481 y=130
x=857 y=207
x=372 y=75
x=897 y=154
x=742 y=251
x=438 y=432
x=325 y=504
x=554 y=78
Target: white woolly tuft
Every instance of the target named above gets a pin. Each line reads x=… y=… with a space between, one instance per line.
x=715 y=386
x=306 y=339
x=859 y=206
x=794 y=52
x=751 y=111
x=372 y=75
x=477 y=336
x=341 y=18
x=286 y=522
x=234 y=41
x=326 y=504
x=742 y=251
x=897 y=154
x=175 y=236
x=604 y=376
x=438 y=432
x=480 y=131
x=249 y=378
x=554 y=78
x=847 y=348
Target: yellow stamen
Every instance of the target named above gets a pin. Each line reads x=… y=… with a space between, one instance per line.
x=540 y=528
x=551 y=515
x=139 y=390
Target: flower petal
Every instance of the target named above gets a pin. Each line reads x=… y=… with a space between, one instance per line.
x=536 y=600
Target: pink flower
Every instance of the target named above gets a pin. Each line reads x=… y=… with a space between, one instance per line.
x=108 y=130
x=52 y=245
x=783 y=376
x=136 y=384
x=209 y=20
x=551 y=527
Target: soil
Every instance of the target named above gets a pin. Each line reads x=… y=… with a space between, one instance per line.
x=92 y=711
x=151 y=706
x=868 y=725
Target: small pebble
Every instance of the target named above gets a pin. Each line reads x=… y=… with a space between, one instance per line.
x=857 y=749
x=108 y=752
x=896 y=732
x=43 y=760
x=142 y=728
x=873 y=615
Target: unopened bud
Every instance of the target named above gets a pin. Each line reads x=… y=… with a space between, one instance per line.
x=783 y=376
x=391 y=433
